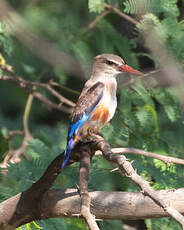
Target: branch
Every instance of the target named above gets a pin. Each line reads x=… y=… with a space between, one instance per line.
x=166 y=159
x=124 y=16
x=85 y=163
x=39 y=202
x=50 y=104
x=67 y=203
x=28 y=85
x=13 y=155
x=126 y=167
x=92 y=24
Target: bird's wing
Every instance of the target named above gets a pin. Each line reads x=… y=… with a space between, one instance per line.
x=86 y=104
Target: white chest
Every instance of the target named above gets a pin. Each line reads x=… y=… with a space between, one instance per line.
x=109 y=99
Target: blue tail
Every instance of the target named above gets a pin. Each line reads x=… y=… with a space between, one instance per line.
x=68 y=150
x=72 y=133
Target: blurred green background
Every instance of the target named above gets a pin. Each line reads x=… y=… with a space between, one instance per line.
x=149 y=116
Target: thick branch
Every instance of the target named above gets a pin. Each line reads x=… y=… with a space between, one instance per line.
x=117 y=205
x=27 y=204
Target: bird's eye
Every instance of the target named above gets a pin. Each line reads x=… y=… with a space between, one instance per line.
x=110 y=62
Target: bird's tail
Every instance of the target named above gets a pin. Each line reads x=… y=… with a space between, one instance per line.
x=74 y=135
x=70 y=145
x=68 y=149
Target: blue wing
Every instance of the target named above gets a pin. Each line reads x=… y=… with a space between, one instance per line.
x=87 y=103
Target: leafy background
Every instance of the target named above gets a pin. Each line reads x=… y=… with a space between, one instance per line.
x=149 y=118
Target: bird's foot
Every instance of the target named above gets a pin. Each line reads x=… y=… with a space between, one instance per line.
x=96 y=137
x=88 y=140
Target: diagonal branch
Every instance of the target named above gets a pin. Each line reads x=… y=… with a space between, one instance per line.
x=125 y=166
x=121 y=14
x=91 y=24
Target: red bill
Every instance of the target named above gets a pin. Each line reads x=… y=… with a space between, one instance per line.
x=128 y=69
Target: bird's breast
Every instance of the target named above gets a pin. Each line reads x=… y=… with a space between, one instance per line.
x=98 y=119
x=101 y=114
x=109 y=99
x=104 y=111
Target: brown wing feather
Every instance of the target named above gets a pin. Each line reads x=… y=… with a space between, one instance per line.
x=87 y=101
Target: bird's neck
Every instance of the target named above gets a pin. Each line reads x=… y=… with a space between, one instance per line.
x=111 y=86
x=102 y=76
x=109 y=82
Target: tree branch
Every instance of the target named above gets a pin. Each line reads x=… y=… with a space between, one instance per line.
x=85 y=163
x=67 y=203
x=166 y=159
x=126 y=167
x=38 y=202
x=13 y=155
x=29 y=86
x=115 y=10
x=92 y=24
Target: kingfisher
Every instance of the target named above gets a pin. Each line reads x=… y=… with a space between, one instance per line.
x=97 y=102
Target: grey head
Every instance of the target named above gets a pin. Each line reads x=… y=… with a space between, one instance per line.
x=110 y=65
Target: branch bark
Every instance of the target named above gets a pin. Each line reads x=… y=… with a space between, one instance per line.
x=105 y=205
x=28 y=86
x=125 y=166
x=39 y=202
x=166 y=159
x=85 y=163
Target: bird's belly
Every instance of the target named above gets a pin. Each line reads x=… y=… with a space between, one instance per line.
x=98 y=119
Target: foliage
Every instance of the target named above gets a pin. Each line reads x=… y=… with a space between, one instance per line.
x=146 y=118
x=96 y=5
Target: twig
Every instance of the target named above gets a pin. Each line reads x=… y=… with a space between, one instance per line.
x=92 y=24
x=56 y=94
x=28 y=85
x=50 y=104
x=85 y=162
x=166 y=159
x=26 y=115
x=125 y=166
x=53 y=83
x=115 y=10
x=24 y=83
x=142 y=77
x=7 y=156
x=15 y=132
x=13 y=155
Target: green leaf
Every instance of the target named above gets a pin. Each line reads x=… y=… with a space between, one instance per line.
x=96 y=6
x=153 y=113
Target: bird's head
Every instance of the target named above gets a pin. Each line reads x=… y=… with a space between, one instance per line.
x=111 y=65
